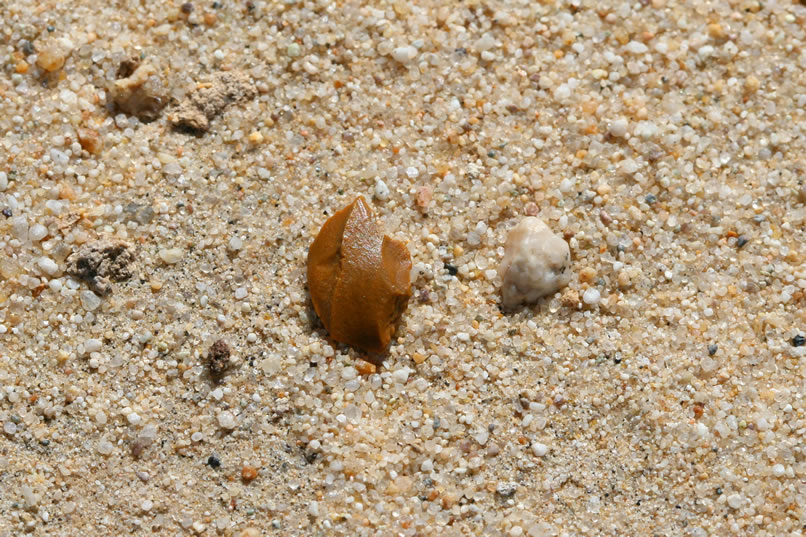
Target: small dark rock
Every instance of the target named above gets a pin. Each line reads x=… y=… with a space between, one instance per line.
x=741 y=241
x=712 y=348
x=7 y=212
x=218 y=358
x=213 y=462
x=187 y=8
x=798 y=341
x=452 y=270
x=27 y=47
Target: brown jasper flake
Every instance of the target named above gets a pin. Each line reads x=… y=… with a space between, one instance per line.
x=358 y=278
x=218 y=359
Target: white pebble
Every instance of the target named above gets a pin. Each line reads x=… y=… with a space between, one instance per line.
x=105 y=447
x=92 y=345
x=536 y=263
x=89 y=300
x=240 y=293
x=217 y=394
x=591 y=296
x=226 y=420
x=400 y=376
x=37 y=232
x=3 y=181
x=48 y=266
x=636 y=48
x=10 y=427
x=19 y=228
x=734 y=501
x=778 y=470
x=404 y=54
x=619 y=127
x=172 y=168
x=381 y=190
x=562 y=92
x=30 y=499
x=235 y=243
x=539 y=449
x=485 y=42
x=412 y=172
x=171 y=255
x=706 y=51
x=146 y=505
x=646 y=129
x=133 y=418
x=313 y=508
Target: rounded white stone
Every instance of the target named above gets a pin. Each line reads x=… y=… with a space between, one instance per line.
x=401 y=376
x=636 y=47
x=37 y=232
x=48 y=266
x=105 y=447
x=539 y=449
x=404 y=54
x=226 y=420
x=536 y=263
x=381 y=190
x=171 y=255
x=89 y=300
x=591 y=296
x=619 y=127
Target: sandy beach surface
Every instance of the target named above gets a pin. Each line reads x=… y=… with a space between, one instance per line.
x=164 y=167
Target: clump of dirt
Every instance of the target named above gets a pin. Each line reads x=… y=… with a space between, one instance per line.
x=210 y=99
x=139 y=91
x=218 y=358
x=100 y=263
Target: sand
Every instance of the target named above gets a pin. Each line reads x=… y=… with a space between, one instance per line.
x=660 y=393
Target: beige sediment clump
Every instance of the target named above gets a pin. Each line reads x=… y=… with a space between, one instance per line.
x=210 y=99
x=139 y=90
